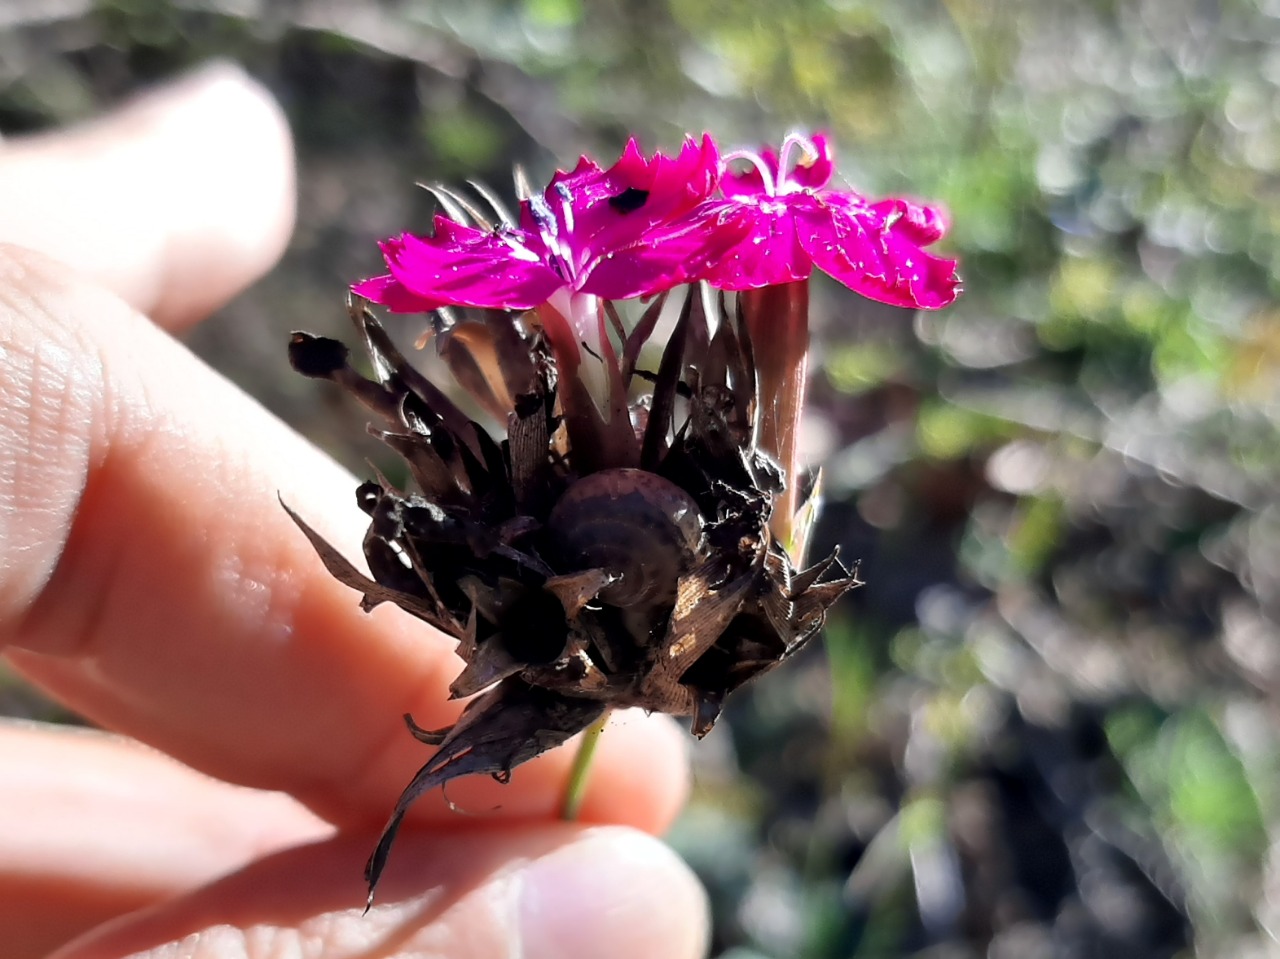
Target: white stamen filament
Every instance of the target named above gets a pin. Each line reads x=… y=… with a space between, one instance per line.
x=567 y=207
x=766 y=178
x=563 y=246
x=808 y=156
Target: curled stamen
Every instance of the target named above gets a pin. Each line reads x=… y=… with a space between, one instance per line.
x=809 y=155
x=766 y=177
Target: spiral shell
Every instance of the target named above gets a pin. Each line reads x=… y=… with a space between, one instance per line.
x=632 y=524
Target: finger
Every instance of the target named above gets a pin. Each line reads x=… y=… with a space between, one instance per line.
x=93 y=827
x=176 y=202
x=151 y=580
x=538 y=892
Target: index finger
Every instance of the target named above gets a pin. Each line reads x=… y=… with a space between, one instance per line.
x=150 y=579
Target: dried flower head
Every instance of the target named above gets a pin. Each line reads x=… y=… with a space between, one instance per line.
x=632 y=544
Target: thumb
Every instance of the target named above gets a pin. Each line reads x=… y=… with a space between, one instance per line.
x=535 y=891
x=176 y=201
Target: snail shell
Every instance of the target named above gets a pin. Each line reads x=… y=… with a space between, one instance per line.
x=632 y=524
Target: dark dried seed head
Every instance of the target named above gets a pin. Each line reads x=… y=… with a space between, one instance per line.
x=579 y=565
x=635 y=525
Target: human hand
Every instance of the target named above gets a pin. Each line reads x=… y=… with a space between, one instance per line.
x=150 y=581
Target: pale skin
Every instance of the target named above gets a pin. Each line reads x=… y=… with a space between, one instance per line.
x=150 y=582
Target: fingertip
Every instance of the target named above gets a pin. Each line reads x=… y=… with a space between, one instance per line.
x=614 y=892
x=176 y=201
x=229 y=176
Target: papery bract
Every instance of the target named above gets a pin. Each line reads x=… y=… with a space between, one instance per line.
x=615 y=233
x=789 y=223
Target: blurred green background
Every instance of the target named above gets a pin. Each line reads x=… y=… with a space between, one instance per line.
x=1047 y=725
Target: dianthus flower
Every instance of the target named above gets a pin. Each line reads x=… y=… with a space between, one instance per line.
x=592 y=235
x=645 y=548
x=614 y=234
x=788 y=222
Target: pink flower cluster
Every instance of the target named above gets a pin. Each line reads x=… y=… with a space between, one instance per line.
x=644 y=226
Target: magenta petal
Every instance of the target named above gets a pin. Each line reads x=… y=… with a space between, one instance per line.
x=817 y=174
x=931 y=280
x=659 y=189
x=843 y=242
x=389 y=292
x=678 y=254
x=631 y=167
x=872 y=256
x=584 y=179
x=769 y=251
x=919 y=223
x=589 y=215
x=906 y=228
x=465 y=266
x=643 y=271
x=615 y=209
x=691 y=177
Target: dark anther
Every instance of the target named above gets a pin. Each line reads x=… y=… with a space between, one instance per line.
x=316 y=356
x=367 y=496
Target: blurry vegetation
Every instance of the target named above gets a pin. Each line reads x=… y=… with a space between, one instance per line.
x=1047 y=726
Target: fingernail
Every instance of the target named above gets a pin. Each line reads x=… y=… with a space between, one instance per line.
x=615 y=892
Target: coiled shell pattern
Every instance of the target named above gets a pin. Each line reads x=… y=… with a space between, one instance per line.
x=632 y=524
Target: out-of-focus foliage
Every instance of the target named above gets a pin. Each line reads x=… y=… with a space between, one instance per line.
x=1048 y=724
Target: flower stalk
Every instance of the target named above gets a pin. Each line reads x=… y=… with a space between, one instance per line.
x=575 y=789
x=777 y=323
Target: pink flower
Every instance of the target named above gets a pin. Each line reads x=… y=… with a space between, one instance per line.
x=613 y=233
x=789 y=223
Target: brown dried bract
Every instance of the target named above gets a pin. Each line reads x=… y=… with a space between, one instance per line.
x=596 y=557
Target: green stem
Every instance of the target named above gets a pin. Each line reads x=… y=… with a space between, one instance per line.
x=576 y=789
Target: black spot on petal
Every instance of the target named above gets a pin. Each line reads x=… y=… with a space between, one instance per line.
x=629 y=200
